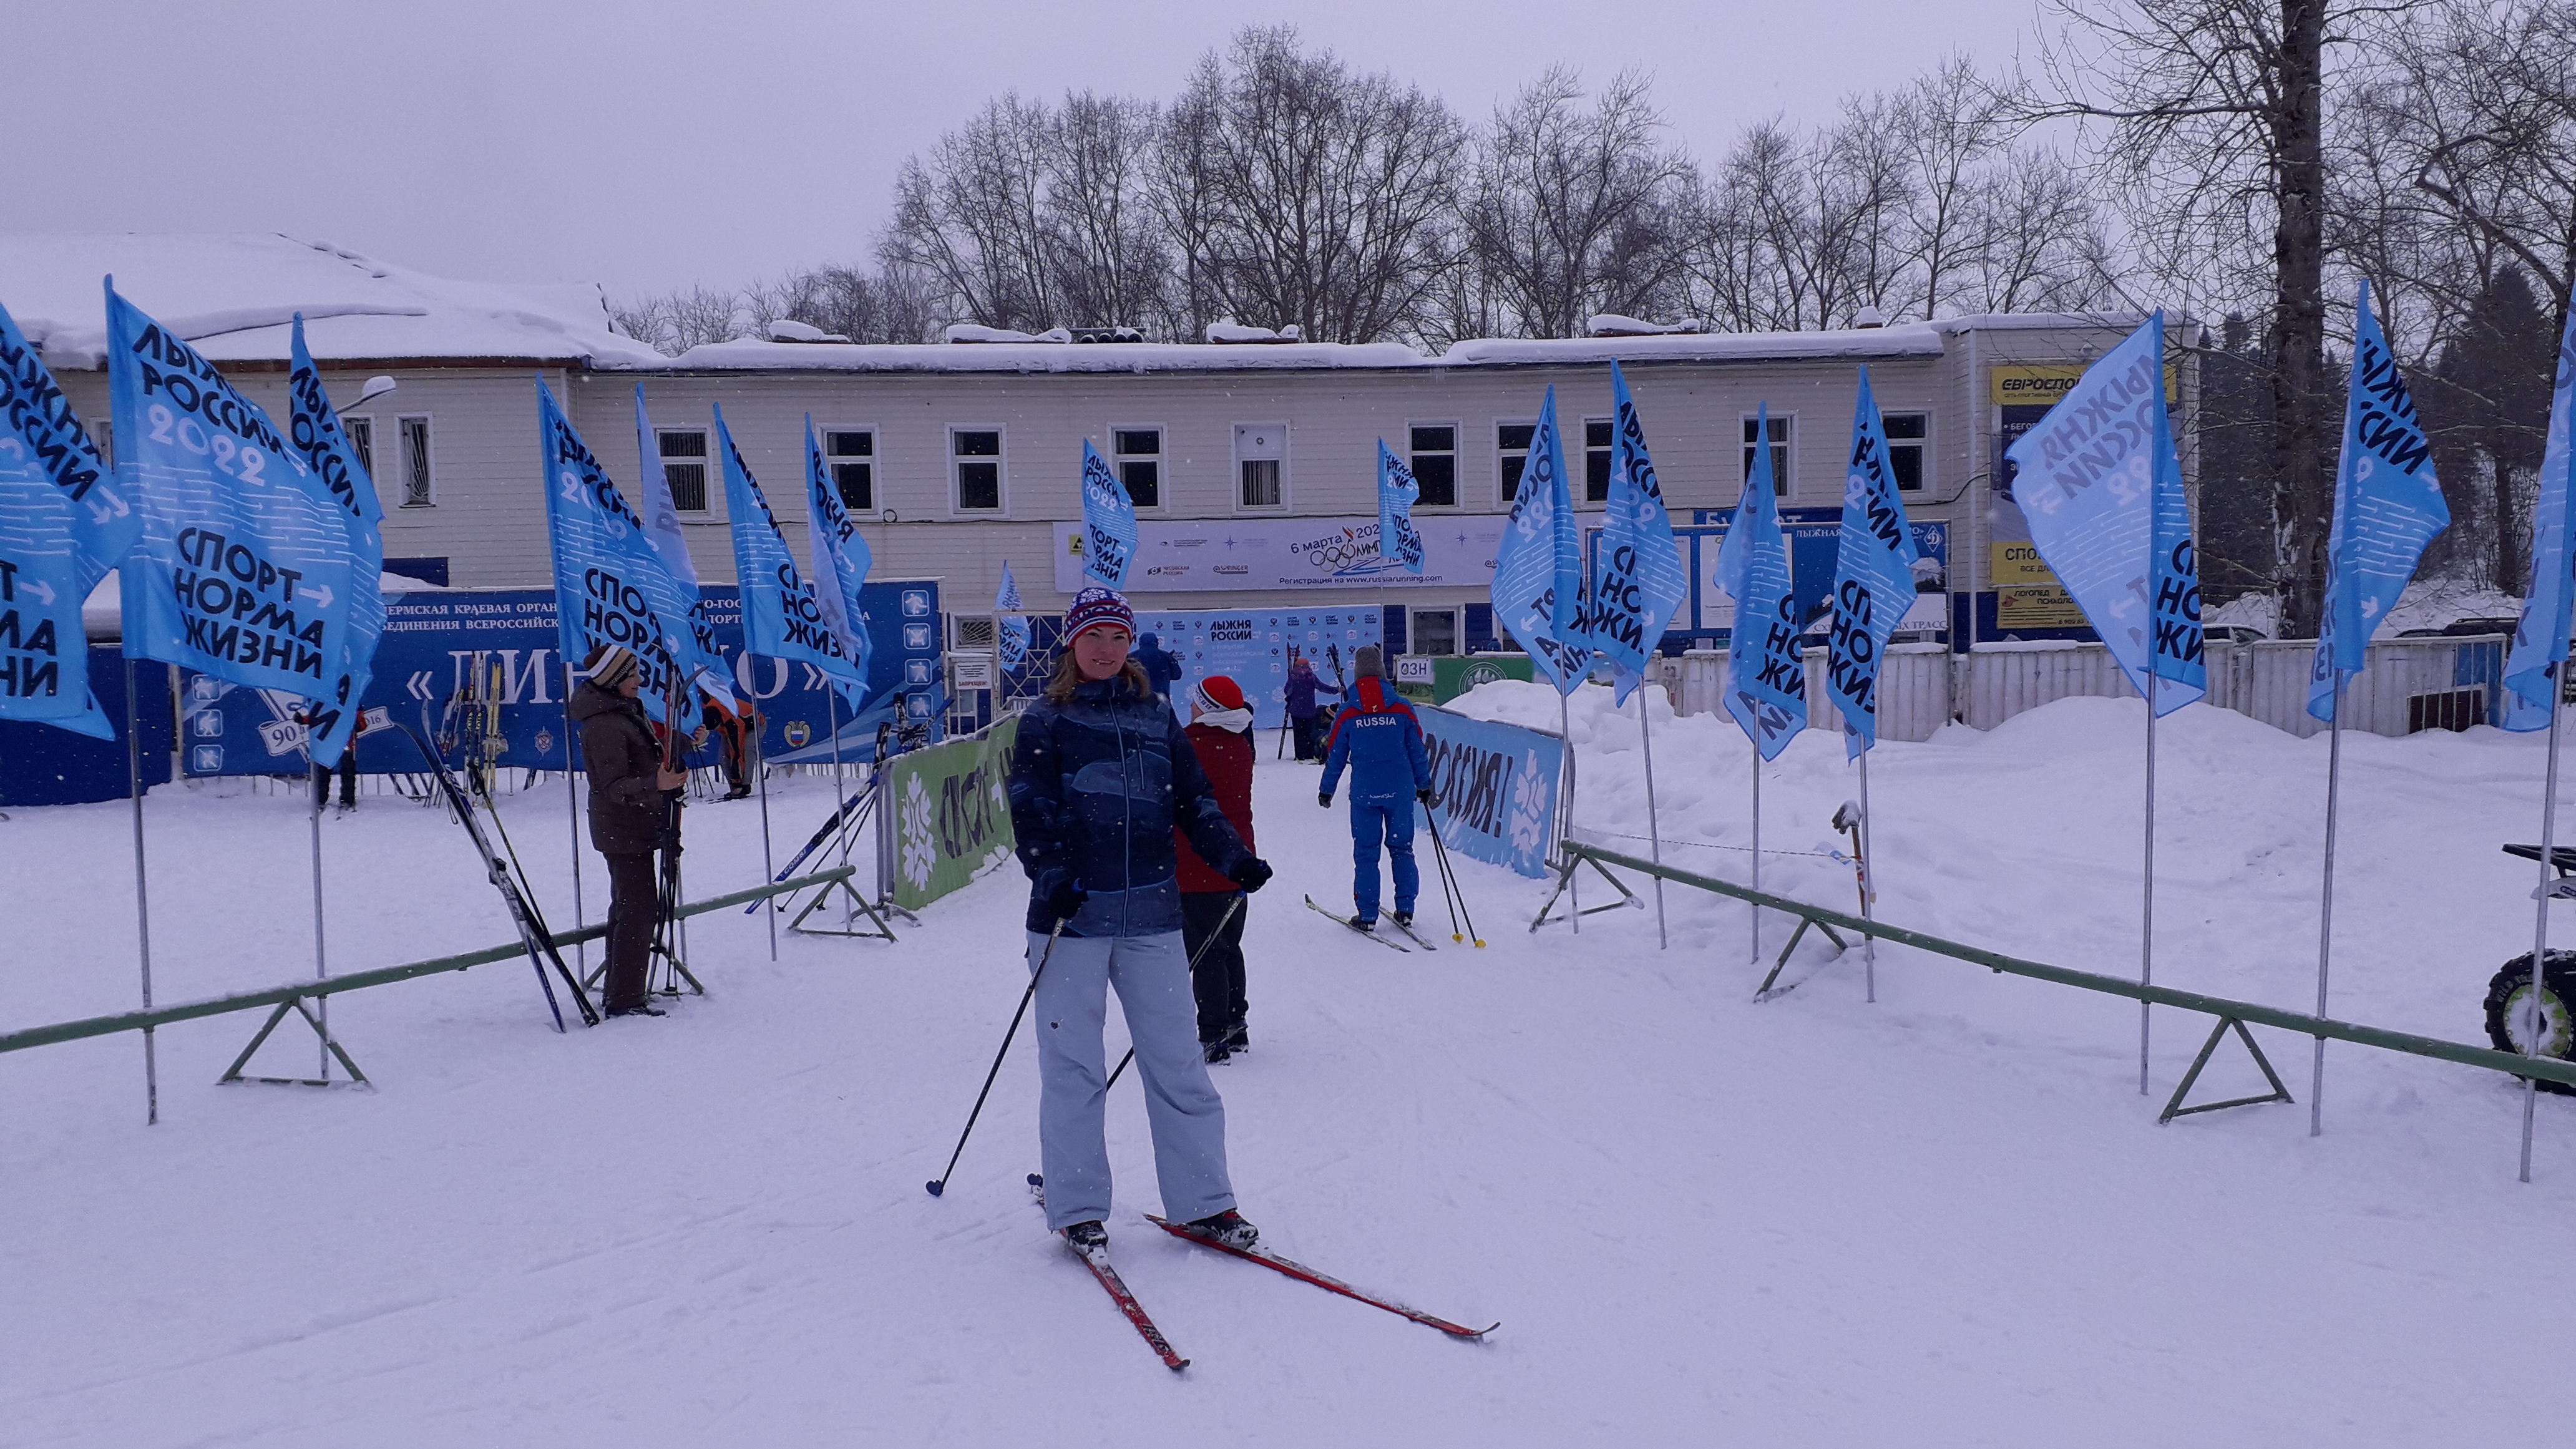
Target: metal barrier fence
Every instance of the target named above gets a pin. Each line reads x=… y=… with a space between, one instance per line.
x=292 y=997
x=2406 y=686
x=2229 y=1013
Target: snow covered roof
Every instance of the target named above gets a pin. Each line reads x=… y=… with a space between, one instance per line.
x=233 y=296
x=1037 y=355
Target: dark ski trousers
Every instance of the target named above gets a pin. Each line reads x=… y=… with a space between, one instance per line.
x=1309 y=734
x=348 y=779
x=1217 y=979
x=634 y=896
x=1392 y=819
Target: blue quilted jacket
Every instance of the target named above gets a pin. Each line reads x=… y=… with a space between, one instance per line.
x=1098 y=784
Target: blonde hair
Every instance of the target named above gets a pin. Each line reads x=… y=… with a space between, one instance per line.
x=1068 y=678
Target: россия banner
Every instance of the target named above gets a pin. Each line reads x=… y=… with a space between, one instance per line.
x=1495 y=786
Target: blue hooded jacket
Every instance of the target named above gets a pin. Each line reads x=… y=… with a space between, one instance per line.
x=1381 y=742
x=1098 y=784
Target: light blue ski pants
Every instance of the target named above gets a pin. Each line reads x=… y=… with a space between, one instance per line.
x=1182 y=1109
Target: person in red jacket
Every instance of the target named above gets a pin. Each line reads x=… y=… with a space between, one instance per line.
x=1221 y=733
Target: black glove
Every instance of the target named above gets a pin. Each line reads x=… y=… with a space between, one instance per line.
x=1423 y=794
x=1065 y=901
x=1250 y=873
x=1324 y=800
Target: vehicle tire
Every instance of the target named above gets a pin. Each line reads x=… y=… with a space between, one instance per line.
x=2505 y=1007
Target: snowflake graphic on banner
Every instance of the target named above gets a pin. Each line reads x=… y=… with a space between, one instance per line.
x=920 y=852
x=1529 y=802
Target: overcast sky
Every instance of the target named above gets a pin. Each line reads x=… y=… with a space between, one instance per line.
x=652 y=144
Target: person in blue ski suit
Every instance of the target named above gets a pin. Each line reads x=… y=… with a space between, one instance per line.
x=1101 y=775
x=1378 y=738
x=1162 y=667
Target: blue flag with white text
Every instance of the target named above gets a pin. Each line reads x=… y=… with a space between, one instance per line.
x=240 y=571
x=1397 y=539
x=841 y=558
x=1766 y=672
x=1873 y=575
x=2540 y=639
x=1011 y=632
x=781 y=615
x=64 y=523
x=1638 y=579
x=611 y=584
x=662 y=525
x=340 y=481
x=1538 y=568
x=2388 y=506
x=2102 y=487
x=1108 y=522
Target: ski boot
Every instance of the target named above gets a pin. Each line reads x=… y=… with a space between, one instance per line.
x=1228 y=1227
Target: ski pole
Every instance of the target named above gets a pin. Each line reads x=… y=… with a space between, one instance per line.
x=1222 y=922
x=939 y=1184
x=1440 y=849
x=1448 y=886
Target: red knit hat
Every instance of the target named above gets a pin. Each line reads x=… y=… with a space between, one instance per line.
x=1217 y=692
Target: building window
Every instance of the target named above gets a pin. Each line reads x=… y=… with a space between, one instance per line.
x=684 y=467
x=1511 y=450
x=1137 y=458
x=416 y=491
x=1907 y=433
x=1781 y=435
x=1596 y=460
x=851 y=454
x=977 y=454
x=102 y=435
x=1435 y=631
x=362 y=441
x=1434 y=460
x=1261 y=464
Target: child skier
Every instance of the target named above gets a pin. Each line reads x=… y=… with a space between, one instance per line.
x=1221 y=732
x=1380 y=740
x=1101 y=775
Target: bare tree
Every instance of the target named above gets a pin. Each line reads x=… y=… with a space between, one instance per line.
x=969 y=220
x=1571 y=211
x=1953 y=122
x=2215 y=112
x=676 y=321
x=1316 y=196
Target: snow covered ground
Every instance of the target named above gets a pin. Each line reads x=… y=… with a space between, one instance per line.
x=1946 y=1218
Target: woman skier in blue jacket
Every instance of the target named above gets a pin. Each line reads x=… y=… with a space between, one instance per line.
x=1381 y=742
x=1101 y=775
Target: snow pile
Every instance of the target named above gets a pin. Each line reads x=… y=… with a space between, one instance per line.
x=1611 y=324
x=1946 y=1218
x=1227 y=331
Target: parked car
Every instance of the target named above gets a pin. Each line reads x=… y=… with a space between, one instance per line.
x=2461 y=628
x=2233 y=634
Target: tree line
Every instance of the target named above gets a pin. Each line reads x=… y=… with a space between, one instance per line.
x=2240 y=162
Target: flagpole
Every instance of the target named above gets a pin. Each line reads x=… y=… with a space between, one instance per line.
x=769 y=866
x=142 y=895
x=2325 y=912
x=1756 y=911
x=1868 y=888
x=320 y=971
x=2147 y=907
x=1565 y=831
x=832 y=718
x=572 y=824
x=2538 y=1020
x=1654 y=832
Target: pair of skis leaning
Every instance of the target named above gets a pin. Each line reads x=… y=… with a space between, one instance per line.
x=1370 y=931
x=1098 y=1262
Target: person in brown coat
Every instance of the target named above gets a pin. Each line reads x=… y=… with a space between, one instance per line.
x=631 y=800
x=1220 y=733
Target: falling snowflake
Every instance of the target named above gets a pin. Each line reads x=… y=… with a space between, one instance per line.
x=920 y=852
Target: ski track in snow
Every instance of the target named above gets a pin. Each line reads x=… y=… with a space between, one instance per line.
x=1947 y=1218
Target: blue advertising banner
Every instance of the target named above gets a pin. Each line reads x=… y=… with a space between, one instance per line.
x=340 y=481
x=1538 y=570
x=1766 y=684
x=2540 y=637
x=64 y=523
x=436 y=641
x=239 y=571
x=1108 y=522
x=1494 y=786
x=784 y=618
x=1873 y=575
x=1638 y=581
x=1252 y=646
x=1398 y=541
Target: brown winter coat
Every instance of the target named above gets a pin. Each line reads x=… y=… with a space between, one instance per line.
x=617 y=750
x=1226 y=755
